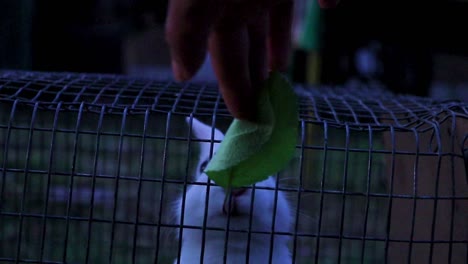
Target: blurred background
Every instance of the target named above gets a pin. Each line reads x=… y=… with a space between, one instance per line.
x=409 y=48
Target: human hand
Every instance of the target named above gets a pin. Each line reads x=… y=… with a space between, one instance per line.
x=245 y=39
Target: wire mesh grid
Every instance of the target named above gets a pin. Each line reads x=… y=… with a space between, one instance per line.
x=91 y=166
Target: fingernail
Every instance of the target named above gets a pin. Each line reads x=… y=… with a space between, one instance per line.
x=180 y=74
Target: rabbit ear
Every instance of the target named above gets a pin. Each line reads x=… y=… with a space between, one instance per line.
x=202 y=131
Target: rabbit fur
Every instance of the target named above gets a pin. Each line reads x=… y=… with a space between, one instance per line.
x=217 y=215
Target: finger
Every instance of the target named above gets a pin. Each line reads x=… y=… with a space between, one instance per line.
x=257 y=33
x=279 y=38
x=187 y=28
x=228 y=46
x=328 y=3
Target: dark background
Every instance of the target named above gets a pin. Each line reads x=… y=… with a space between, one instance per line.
x=419 y=43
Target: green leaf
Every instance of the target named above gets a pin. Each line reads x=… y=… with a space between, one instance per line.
x=250 y=152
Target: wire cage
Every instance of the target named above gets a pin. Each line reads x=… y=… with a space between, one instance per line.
x=90 y=167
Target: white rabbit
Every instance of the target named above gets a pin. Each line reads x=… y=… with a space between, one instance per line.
x=239 y=214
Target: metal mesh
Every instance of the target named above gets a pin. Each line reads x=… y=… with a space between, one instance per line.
x=90 y=166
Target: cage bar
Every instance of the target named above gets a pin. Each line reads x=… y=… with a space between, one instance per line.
x=91 y=165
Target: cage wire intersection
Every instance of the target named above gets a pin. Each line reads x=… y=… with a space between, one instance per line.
x=91 y=164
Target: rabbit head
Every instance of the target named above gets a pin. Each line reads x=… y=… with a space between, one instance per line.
x=210 y=207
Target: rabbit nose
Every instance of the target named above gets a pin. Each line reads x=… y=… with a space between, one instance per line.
x=229 y=207
x=238 y=191
x=230 y=203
